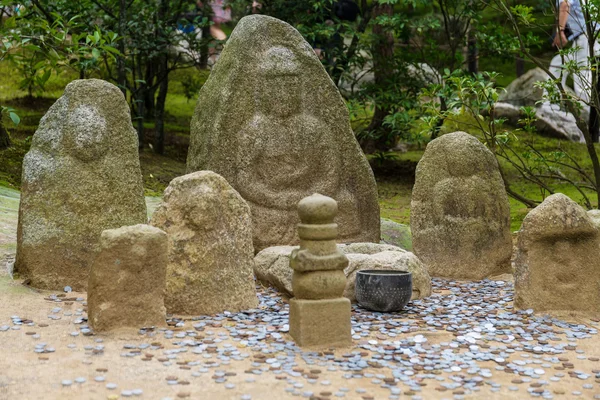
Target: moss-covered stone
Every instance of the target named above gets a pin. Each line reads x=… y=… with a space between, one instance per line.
x=556 y=262
x=460 y=214
x=80 y=177
x=272 y=123
x=396 y=234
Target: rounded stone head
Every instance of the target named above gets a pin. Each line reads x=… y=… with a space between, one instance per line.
x=317 y=209
x=280 y=93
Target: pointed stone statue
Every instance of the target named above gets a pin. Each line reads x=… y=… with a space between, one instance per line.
x=319 y=314
x=273 y=124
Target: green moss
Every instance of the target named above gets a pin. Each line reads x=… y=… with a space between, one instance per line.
x=158 y=171
x=11 y=161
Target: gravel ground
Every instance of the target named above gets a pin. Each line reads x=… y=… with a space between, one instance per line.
x=465 y=341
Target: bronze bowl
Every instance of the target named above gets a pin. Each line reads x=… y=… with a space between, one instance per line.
x=383 y=290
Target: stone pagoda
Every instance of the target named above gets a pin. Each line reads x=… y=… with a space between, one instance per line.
x=319 y=314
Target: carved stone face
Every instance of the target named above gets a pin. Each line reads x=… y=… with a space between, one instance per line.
x=85 y=133
x=280 y=91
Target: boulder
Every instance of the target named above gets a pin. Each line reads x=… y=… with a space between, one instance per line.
x=595 y=217
x=460 y=214
x=424 y=73
x=81 y=176
x=211 y=256
x=127 y=280
x=272 y=123
x=522 y=91
x=272 y=266
x=556 y=263
x=396 y=234
x=512 y=114
x=550 y=121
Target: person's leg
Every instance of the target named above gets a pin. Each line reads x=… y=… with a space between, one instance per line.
x=582 y=79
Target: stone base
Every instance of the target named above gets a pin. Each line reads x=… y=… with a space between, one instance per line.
x=321 y=323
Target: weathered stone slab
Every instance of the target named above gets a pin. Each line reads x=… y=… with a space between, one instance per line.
x=556 y=264
x=127 y=280
x=271 y=266
x=80 y=177
x=270 y=121
x=460 y=214
x=210 y=246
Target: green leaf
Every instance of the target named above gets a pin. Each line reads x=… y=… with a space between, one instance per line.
x=15 y=118
x=46 y=76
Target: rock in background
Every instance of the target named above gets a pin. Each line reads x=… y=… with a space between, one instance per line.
x=211 y=257
x=550 y=121
x=81 y=176
x=396 y=234
x=522 y=91
x=460 y=214
x=127 y=280
x=556 y=264
x=270 y=121
x=272 y=266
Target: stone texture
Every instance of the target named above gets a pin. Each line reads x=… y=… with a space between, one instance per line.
x=80 y=177
x=460 y=215
x=319 y=315
x=595 y=217
x=210 y=246
x=424 y=73
x=396 y=234
x=321 y=323
x=522 y=91
x=127 y=280
x=550 y=121
x=556 y=263
x=271 y=266
x=270 y=121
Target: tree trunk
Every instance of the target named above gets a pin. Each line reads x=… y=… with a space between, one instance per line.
x=594 y=121
x=204 y=48
x=520 y=65
x=121 y=72
x=159 y=125
x=151 y=71
x=140 y=97
x=4 y=138
x=383 y=54
x=472 y=52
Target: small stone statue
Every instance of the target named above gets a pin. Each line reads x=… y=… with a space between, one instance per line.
x=319 y=314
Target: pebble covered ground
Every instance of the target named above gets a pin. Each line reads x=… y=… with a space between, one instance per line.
x=465 y=341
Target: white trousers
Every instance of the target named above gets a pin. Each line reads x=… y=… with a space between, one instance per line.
x=582 y=81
